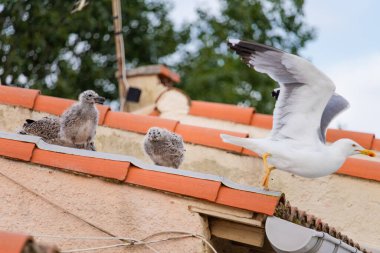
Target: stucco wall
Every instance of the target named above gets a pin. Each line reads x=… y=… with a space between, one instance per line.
x=41 y=201
x=151 y=87
x=352 y=205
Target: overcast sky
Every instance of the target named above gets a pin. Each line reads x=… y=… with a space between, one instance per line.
x=347 y=49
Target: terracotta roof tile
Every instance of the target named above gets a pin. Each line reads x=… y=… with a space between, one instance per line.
x=93 y=166
x=193 y=187
x=12 y=242
x=262 y=120
x=103 y=110
x=249 y=152
x=155 y=112
x=242 y=115
x=52 y=105
x=363 y=139
x=247 y=200
x=166 y=72
x=376 y=144
x=160 y=70
x=208 y=137
x=197 y=185
x=18 y=96
x=137 y=123
x=16 y=149
x=361 y=168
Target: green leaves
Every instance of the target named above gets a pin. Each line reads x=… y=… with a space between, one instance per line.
x=44 y=46
x=63 y=54
x=214 y=73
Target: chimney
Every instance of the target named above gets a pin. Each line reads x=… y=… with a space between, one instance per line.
x=147 y=83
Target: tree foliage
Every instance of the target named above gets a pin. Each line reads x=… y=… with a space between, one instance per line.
x=211 y=72
x=44 y=46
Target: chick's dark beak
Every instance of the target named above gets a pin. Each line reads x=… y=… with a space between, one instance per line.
x=100 y=100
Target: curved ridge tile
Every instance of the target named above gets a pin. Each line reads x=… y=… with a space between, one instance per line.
x=209 y=137
x=18 y=96
x=221 y=111
x=137 y=123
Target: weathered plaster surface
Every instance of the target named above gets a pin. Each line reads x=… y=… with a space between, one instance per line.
x=37 y=200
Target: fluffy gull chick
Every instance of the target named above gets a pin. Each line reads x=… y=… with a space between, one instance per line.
x=164 y=147
x=78 y=123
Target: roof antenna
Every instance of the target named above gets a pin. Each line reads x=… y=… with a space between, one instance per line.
x=120 y=54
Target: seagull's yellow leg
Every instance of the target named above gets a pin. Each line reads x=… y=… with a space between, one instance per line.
x=268 y=170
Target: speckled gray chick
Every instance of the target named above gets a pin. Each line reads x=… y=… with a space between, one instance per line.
x=47 y=128
x=164 y=147
x=79 y=122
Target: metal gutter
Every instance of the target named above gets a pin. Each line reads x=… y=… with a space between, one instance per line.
x=287 y=237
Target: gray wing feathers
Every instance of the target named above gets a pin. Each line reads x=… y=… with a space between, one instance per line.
x=336 y=105
x=264 y=59
x=305 y=90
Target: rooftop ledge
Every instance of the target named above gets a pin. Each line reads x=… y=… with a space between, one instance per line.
x=131 y=170
x=33 y=100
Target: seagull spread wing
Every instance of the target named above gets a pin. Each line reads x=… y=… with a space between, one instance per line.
x=305 y=91
x=336 y=105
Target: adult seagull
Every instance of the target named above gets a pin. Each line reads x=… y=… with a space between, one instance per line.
x=305 y=106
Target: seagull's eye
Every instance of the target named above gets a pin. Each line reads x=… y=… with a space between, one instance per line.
x=354 y=145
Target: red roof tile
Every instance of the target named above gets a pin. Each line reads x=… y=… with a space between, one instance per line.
x=193 y=187
x=166 y=72
x=137 y=123
x=361 y=168
x=93 y=166
x=103 y=110
x=16 y=149
x=13 y=243
x=249 y=152
x=363 y=139
x=18 y=96
x=196 y=187
x=52 y=105
x=208 y=137
x=247 y=200
x=242 y=115
x=376 y=144
x=262 y=120
x=160 y=70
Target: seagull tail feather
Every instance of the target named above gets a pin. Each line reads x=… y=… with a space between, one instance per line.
x=242 y=142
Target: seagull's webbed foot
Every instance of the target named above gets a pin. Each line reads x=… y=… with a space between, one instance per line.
x=268 y=170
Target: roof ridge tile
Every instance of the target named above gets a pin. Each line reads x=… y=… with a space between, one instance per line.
x=89 y=165
x=209 y=137
x=188 y=183
x=183 y=185
x=18 y=96
x=137 y=123
x=12 y=242
x=364 y=139
x=229 y=112
x=16 y=149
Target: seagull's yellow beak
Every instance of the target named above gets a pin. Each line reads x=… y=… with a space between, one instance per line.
x=367 y=152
